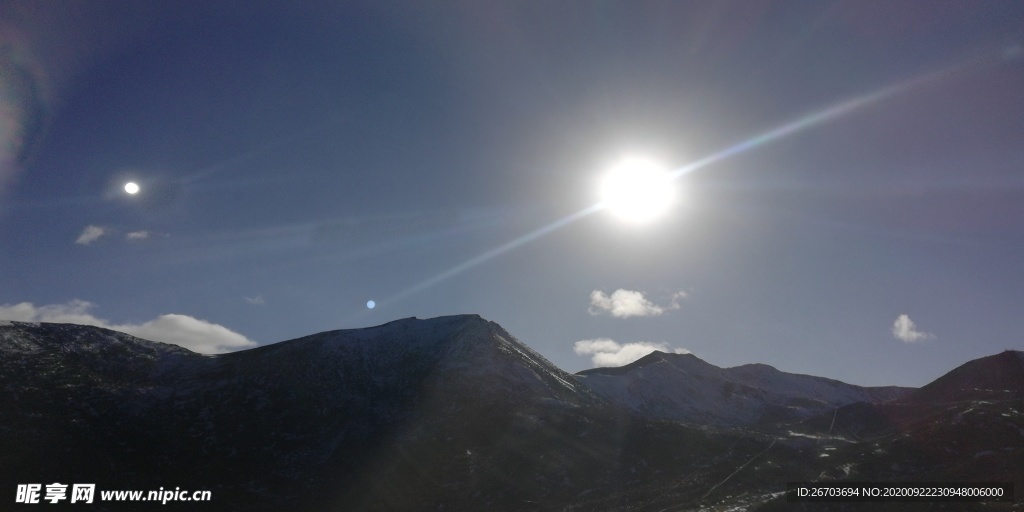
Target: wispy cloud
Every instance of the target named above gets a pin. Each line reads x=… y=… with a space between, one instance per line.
x=628 y=303
x=608 y=352
x=189 y=332
x=90 y=234
x=137 y=235
x=905 y=330
x=258 y=300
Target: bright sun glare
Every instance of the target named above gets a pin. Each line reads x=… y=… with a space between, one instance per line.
x=131 y=187
x=637 y=190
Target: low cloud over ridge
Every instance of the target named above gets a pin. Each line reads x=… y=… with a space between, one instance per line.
x=628 y=303
x=608 y=352
x=183 y=330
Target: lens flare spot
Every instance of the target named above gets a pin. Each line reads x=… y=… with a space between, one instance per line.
x=370 y=304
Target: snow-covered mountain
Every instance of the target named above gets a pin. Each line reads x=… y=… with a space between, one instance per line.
x=686 y=388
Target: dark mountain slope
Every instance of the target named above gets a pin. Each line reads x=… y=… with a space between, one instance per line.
x=449 y=413
x=967 y=425
x=989 y=376
x=960 y=394
x=280 y=419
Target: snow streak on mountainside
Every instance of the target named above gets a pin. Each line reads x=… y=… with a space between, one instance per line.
x=683 y=387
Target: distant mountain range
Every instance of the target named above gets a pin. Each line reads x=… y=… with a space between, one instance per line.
x=683 y=387
x=455 y=414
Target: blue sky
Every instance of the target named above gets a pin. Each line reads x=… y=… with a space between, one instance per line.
x=296 y=161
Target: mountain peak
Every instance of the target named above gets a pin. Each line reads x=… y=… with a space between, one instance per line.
x=756 y=367
x=998 y=373
x=446 y=351
x=653 y=358
x=446 y=321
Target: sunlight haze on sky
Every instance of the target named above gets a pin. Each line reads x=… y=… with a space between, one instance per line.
x=848 y=198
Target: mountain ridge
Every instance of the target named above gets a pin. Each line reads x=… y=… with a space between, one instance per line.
x=687 y=388
x=455 y=412
x=985 y=376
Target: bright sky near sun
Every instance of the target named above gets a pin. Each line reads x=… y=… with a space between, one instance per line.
x=638 y=190
x=830 y=188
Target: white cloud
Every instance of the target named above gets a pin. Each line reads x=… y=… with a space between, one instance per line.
x=255 y=300
x=23 y=312
x=626 y=303
x=905 y=330
x=584 y=347
x=137 y=235
x=607 y=352
x=90 y=234
x=192 y=333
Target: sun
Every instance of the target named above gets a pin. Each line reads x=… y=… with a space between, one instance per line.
x=131 y=187
x=637 y=190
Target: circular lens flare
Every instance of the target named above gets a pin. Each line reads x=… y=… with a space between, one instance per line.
x=637 y=190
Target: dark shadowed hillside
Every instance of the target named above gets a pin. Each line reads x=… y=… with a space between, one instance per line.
x=685 y=388
x=454 y=413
